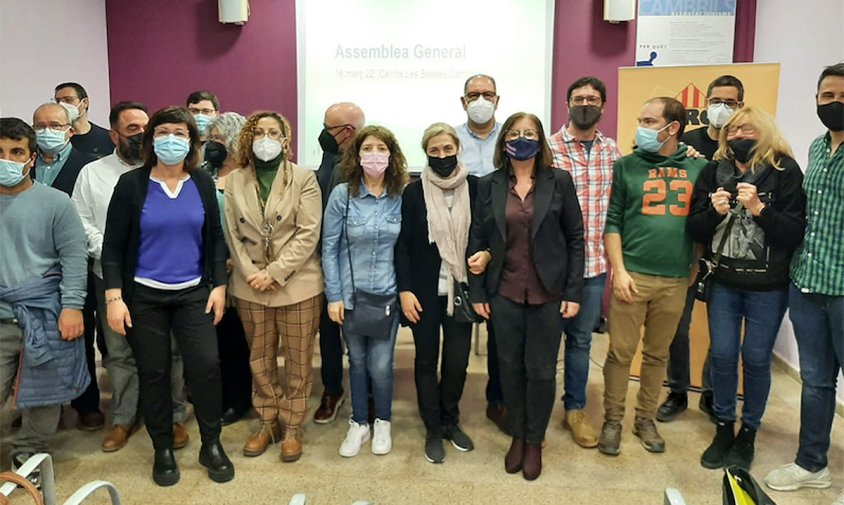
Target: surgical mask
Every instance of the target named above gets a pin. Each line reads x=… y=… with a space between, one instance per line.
x=202 y=122
x=374 y=164
x=443 y=167
x=327 y=142
x=130 y=151
x=521 y=149
x=481 y=110
x=585 y=117
x=832 y=115
x=718 y=114
x=11 y=172
x=266 y=149
x=648 y=140
x=742 y=149
x=72 y=111
x=51 y=141
x=171 y=150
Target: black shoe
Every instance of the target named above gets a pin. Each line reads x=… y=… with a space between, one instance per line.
x=743 y=450
x=459 y=439
x=434 y=451
x=706 y=406
x=213 y=457
x=232 y=415
x=165 y=471
x=18 y=459
x=497 y=413
x=674 y=405
x=715 y=455
x=90 y=421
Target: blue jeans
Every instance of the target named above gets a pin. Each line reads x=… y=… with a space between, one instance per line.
x=762 y=313
x=371 y=362
x=578 y=333
x=819 y=328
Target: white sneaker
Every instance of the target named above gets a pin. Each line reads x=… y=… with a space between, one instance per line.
x=793 y=477
x=840 y=500
x=382 y=442
x=357 y=435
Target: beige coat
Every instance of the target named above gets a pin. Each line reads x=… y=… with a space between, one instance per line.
x=294 y=209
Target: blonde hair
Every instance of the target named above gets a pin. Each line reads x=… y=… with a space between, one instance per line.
x=439 y=129
x=770 y=148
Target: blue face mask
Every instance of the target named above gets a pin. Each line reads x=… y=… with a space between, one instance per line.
x=646 y=139
x=11 y=173
x=521 y=149
x=202 y=122
x=171 y=150
x=51 y=141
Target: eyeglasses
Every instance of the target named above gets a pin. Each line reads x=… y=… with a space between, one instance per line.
x=585 y=100
x=488 y=95
x=65 y=99
x=180 y=133
x=56 y=127
x=205 y=112
x=747 y=129
x=274 y=134
x=717 y=101
x=528 y=134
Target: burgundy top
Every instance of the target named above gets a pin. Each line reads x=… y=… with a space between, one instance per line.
x=519 y=280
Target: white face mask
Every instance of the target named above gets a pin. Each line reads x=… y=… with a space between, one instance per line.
x=719 y=114
x=481 y=110
x=72 y=111
x=266 y=149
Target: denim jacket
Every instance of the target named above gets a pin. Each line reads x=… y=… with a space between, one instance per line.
x=373 y=228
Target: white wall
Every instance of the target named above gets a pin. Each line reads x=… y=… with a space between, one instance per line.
x=802 y=49
x=45 y=42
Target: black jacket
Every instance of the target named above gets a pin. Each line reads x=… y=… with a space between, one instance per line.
x=66 y=179
x=758 y=251
x=123 y=231
x=418 y=261
x=557 y=245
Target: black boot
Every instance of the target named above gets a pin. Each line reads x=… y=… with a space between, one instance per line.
x=716 y=454
x=741 y=455
x=213 y=457
x=165 y=471
x=675 y=404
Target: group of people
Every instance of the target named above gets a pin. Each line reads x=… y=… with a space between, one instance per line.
x=200 y=248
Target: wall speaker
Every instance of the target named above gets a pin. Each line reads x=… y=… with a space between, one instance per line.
x=233 y=11
x=616 y=11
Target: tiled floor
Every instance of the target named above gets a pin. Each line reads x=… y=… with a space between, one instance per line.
x=571 y=475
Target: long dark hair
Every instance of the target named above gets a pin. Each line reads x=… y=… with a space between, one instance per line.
x=395 y=176
x=171 y=115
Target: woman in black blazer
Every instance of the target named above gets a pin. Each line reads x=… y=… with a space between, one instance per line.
x=430 y=259
x=526 y=274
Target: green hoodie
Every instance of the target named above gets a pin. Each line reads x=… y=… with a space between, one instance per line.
x=651 y=195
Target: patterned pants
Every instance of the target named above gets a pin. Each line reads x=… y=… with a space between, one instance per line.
x=294 y=327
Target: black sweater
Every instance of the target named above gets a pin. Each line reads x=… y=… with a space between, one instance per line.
x=123 y=231
x=758 y=251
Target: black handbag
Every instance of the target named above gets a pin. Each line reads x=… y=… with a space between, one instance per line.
x=740 y=488
x=372 y=315
x=706 y=269
x=463 y=311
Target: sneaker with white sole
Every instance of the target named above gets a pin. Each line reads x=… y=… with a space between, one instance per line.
x=793 y=477
x=357 y=435
x=382 y=442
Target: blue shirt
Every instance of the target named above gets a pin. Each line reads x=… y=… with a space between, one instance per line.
x=373 y=226
x=477 y=152
x=46 y=173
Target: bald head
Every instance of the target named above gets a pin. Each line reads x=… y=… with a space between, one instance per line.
x=342 y=120
x=53 y=111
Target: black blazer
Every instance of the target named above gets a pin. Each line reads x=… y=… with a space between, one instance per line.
x=123 y=231
x=418 y=261
x=70 y=171
x=557 y=234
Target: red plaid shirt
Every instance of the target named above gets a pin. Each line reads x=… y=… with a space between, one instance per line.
x=593 y=180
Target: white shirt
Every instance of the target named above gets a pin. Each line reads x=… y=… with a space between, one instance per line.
x=477 y=153
x=91 y=196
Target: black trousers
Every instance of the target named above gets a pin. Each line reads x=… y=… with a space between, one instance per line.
x=89 y=401
x=528 y=343
x=156 y=315
x=494 y=395
x=331 y=351
x=235 y=374
x=439 y=399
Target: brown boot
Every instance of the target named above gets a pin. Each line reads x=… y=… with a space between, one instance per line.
x=180 y=436
x=291 y=445
x=532 y=461
x=514 y=457
x=257 y=443
x=116 y=438
x=581 y=428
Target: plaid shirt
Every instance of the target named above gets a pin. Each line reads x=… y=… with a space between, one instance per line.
x=818 y=266
x=593 y=180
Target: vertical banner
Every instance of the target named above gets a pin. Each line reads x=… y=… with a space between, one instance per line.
x=670 y=32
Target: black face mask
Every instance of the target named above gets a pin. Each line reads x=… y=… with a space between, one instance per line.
x=585 y=116
x=328 y=143
x=443 y=167
x=832 y=115
x=742 y=149
x=131 y=150
x=215 y=153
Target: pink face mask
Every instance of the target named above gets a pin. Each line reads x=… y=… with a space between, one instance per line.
x=374 y=164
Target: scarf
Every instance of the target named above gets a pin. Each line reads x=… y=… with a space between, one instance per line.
x=449 y=229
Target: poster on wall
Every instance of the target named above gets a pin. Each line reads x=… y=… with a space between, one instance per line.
x=670 y=32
